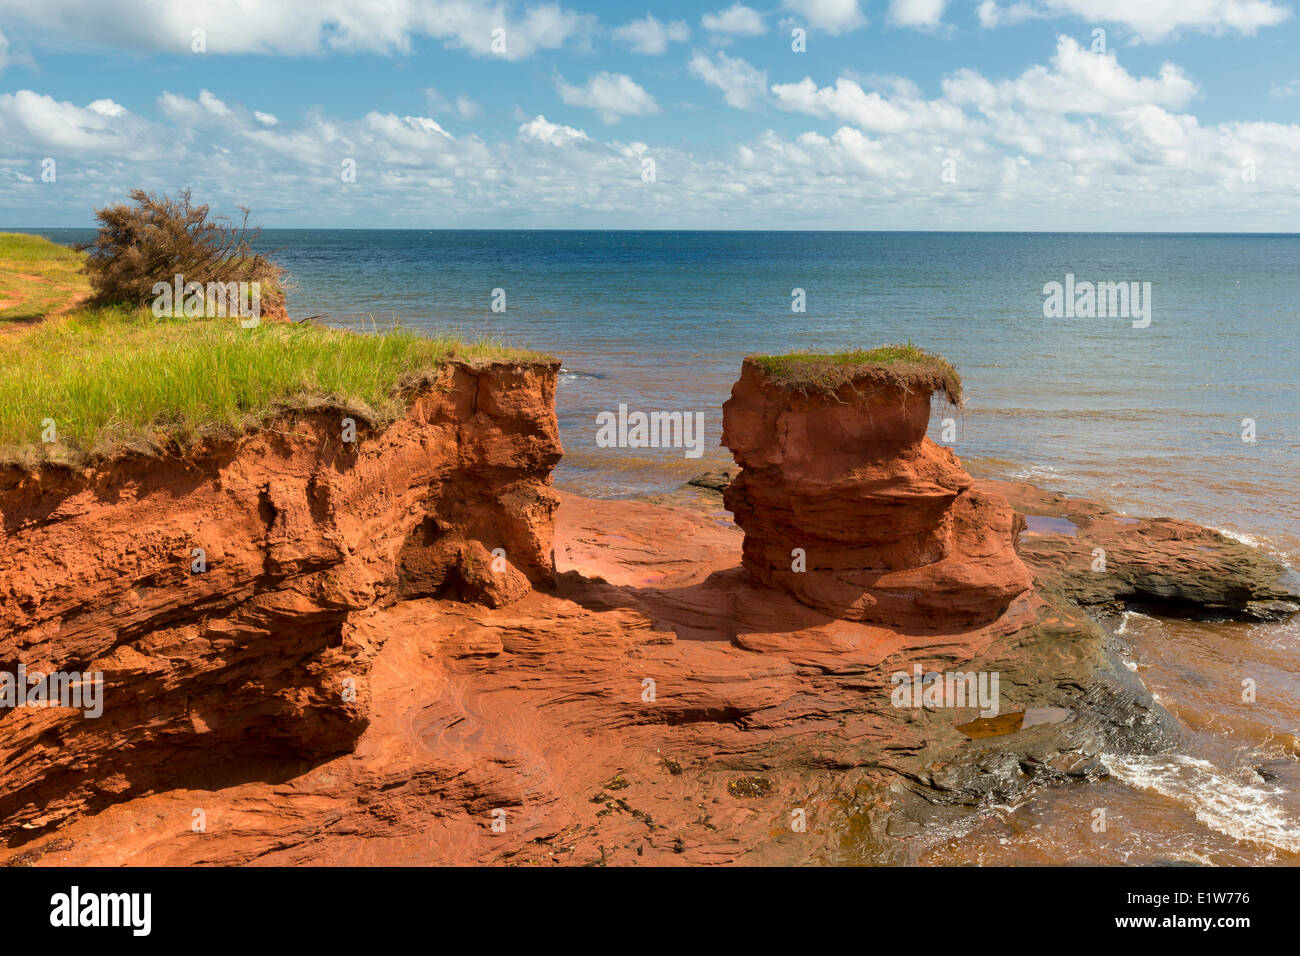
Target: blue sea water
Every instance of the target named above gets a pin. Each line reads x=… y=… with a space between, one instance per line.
x=1149 y=419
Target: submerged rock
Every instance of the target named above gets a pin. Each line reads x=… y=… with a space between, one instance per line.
x=1176 y=568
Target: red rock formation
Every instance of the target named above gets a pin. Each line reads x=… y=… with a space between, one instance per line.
x=538 y=713
x=333 y=563
x=216 y=676
x=891 y=529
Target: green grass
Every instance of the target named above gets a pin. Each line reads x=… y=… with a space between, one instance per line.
x=119 y=377
x=37 y=277
x=905 y=366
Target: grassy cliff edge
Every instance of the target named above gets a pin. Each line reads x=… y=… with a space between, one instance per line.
x=118 y=377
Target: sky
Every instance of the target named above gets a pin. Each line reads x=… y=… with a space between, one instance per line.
x=1098 y=115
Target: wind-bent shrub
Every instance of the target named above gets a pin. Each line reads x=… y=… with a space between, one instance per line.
x=155 y=238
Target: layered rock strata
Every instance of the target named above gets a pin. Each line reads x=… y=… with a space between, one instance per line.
x=850 y=508
x=219 y=593
x=654 y=702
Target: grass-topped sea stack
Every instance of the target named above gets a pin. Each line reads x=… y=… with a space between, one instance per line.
x=848 y=506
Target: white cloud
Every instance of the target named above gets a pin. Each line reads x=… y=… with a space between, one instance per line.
x=1078 y=82
x=107 y=108
x=466 y=107
x=1079 y=139
x=266 y=119
x=991 y=15
x=49 y=125
x=4 y=52
x=1289 y=88
x=1149 y=20
x=916 y=13
x=188 y=112
x=414 y=131
x=611 y=95
x=845 y=101
x=539 y=130
x=212 y=104
x=737 y=20
x=650 y=37
x=302 y=27
x=742 y=85
x=829 y=16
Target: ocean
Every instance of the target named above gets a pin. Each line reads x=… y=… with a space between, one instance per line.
x=1185 y=407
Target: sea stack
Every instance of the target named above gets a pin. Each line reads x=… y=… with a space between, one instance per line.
x=850 y=508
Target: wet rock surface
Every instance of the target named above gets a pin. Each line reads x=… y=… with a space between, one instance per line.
x=1107 y=561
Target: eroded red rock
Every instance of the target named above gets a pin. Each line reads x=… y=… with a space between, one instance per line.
x=238 y=670
x=850 y=508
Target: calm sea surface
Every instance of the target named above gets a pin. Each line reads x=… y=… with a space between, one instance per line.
x=1150 y=420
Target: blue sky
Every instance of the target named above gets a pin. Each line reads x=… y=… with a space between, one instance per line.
x=898 y=114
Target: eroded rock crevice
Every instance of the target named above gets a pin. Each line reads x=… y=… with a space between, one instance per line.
x=217 y=592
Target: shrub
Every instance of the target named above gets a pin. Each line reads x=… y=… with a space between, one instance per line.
x=154 y=238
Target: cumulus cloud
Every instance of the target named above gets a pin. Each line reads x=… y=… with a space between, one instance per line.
x=212 y=104
x=846 y=101
x=829 y=16
x=538 y=130
x=102 y=127
x=916 y=13
x=611 y=95
x=1078 y=139
x=207 y=108
x=650 y=37
x=991 y=15
x=1150 y=21
x=742 y=85
x=1078 y=81
x=737 y=20
x=302 y=27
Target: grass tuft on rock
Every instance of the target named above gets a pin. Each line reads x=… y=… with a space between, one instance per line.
x=904 y=366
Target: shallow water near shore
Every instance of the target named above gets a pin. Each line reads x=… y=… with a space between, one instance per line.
x=1227 y=796
x=1148 y=420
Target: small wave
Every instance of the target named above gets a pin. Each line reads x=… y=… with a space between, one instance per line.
x=1239 y=537
x=1128 y=618
x=1259 y=542
x=1220 y=802
x=573 y=375
x=1038 y=473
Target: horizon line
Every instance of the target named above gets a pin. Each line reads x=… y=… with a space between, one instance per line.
x=1047 y=232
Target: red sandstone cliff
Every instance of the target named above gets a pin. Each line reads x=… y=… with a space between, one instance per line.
x=890 y=525
x=254 y=663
